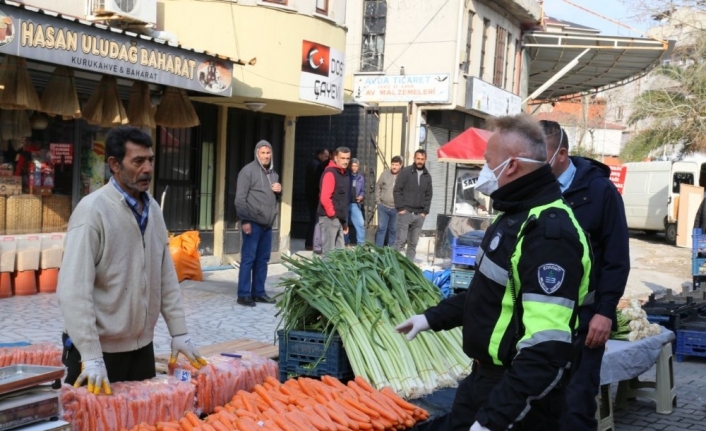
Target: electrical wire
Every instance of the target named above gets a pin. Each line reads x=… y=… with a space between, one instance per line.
x=409 y=44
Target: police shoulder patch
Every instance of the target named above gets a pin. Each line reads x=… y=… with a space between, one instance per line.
x=550 y=276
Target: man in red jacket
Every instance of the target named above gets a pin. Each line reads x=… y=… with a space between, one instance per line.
x=333 y=201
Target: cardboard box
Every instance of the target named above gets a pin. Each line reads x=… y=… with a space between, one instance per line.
x=41 y=191
x=10 y=180
x=10 y=189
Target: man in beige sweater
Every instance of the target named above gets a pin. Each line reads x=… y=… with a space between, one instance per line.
x=117 y=275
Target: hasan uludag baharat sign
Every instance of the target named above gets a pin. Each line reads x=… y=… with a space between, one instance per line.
x=55 y=40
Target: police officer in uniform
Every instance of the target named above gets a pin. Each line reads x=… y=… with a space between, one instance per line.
x=520 y=311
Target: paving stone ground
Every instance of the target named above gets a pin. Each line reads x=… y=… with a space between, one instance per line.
x=213 y=316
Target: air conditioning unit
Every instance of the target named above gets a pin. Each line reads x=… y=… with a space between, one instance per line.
x=142 y=11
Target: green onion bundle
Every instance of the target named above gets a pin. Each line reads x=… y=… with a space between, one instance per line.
x=362 y=294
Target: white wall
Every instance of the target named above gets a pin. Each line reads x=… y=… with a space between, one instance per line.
x=601 y=141
x=429 y=37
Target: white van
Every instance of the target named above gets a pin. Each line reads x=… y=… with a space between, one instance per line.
x=651 y=194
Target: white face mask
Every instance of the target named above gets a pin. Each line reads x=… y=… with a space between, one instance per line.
x=487 y=181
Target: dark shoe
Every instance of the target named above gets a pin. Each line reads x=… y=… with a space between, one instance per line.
x=247 y=302
x=264 y=299
x=309 y=248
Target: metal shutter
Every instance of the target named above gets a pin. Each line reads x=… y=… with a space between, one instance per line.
x=443 y=176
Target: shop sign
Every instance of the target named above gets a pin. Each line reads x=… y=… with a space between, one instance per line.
x=55 y=40
x=62 y=153
x=491 y=100
x=617 y=176
x=402 y=88
x=322 y=74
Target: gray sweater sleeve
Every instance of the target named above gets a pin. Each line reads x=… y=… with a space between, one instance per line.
x=241 y=194
x=76 y=285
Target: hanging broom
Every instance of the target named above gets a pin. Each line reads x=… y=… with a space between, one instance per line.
x=139 y=109
x=15 y=124
x=176 y=110
x=104 y=108
x=59 y=98
x=18 y=92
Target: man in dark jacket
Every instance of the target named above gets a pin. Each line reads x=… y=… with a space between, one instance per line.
x=518 y=315
x=412 y=195
x=313 y=179
x=334 y=200
x=599 y=210
x=256 y=203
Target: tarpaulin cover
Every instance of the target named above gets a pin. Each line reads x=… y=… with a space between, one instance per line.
x=468 y=147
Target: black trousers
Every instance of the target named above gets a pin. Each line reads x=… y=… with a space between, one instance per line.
x=474 y=392
x=122 y=367
x=583 y=387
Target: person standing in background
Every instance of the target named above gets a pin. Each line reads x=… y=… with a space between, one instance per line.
x=355 y=212
x=334 y=200
x=312 y=193
x=385 y=203
x=257 y=206
x=412 y=193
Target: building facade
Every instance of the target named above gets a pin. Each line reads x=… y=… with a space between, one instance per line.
x=417 y=75
x=273 y=61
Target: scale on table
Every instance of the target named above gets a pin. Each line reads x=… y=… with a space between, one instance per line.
x=28 y=394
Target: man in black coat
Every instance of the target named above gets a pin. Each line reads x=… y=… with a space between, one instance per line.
x=412 y=194
x=599 y=209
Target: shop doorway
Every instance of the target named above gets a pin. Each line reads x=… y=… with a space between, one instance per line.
x=245 y=129
x=185 y=169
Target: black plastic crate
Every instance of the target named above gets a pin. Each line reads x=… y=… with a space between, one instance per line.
x=304 y=353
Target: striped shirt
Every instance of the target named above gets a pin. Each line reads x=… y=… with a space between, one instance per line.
x=132 y=203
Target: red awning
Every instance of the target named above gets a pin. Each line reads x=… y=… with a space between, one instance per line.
x=468 y=147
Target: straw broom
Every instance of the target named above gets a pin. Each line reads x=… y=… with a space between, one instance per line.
x=139 y=109
x=15 y=124
x=176 y=110
x=18 y=92
x=60 y=98
x=113 y=110
x=104 y=108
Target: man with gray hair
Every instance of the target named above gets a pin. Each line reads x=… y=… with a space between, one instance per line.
x=334 y=200
x=257 y=204
x=519 y=313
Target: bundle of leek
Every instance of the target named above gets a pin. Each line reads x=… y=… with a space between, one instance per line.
x=362 y=294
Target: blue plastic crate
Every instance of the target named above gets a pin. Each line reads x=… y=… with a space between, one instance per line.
x=690 y=343
x=698 y=243
x=463 y=254
x=461 y=278
x=304 y=353
x=698 y=266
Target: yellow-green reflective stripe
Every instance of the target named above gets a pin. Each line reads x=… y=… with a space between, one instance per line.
x=500 y=327
x=539 y=317
x=507 y=309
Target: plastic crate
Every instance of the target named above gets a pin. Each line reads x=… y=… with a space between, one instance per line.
x=304 y=353
x=463 y=254
x=698 y=266
x=690 y=343
x=461 y=278
x=698 y=242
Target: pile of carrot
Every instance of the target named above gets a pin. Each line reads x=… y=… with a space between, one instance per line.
x=217 y=382
x=148 y=401
x=304 y=404
x=46 y=354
